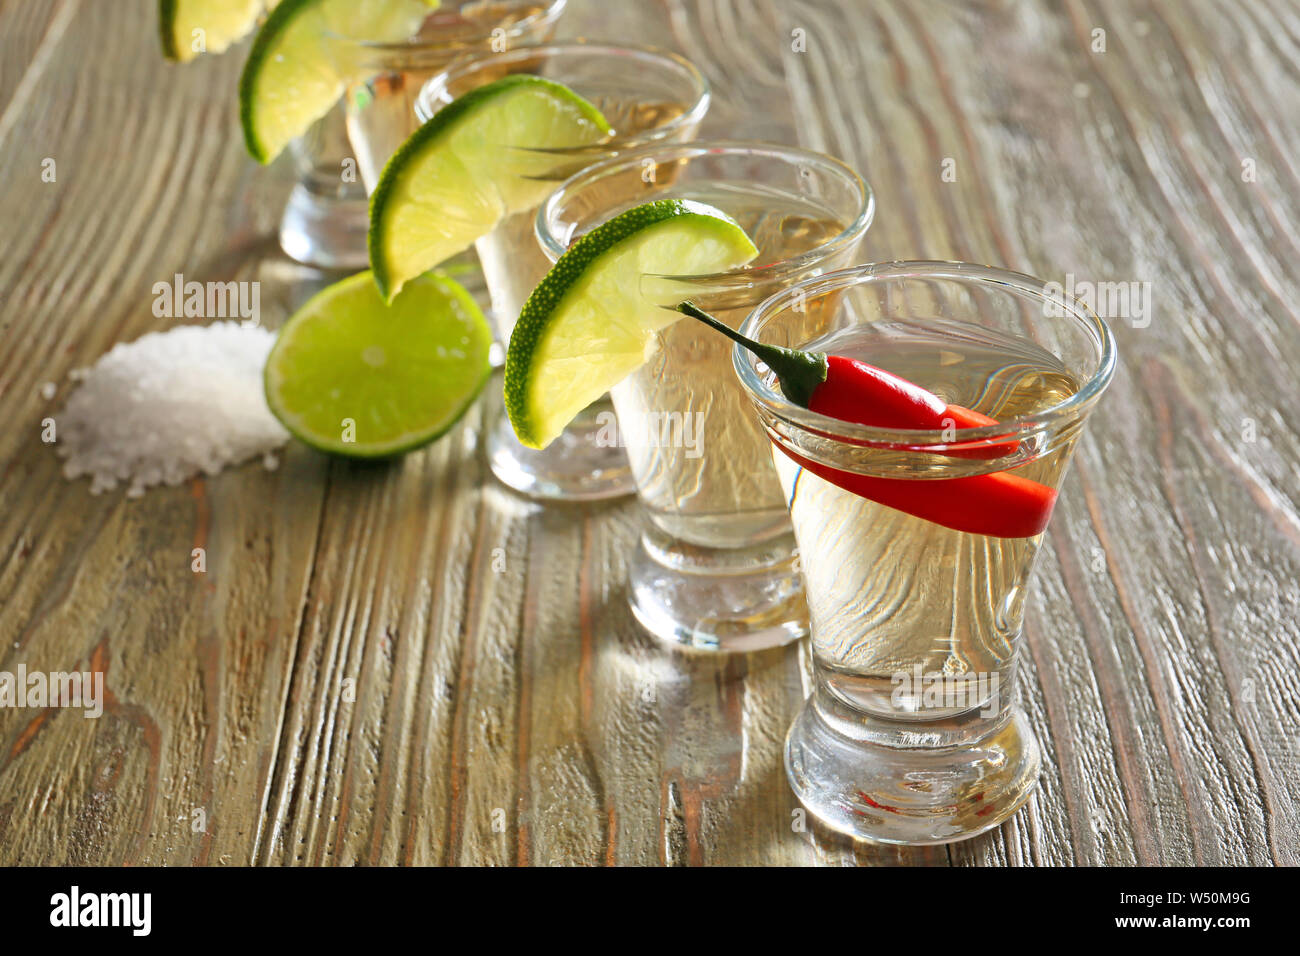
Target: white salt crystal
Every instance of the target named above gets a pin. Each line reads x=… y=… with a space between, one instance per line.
x=48 y=390
x=168 y=406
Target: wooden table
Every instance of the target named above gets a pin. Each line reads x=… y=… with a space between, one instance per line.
x=404 y=663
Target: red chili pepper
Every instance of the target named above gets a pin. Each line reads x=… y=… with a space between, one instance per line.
x=999 y=504
x=854 y=391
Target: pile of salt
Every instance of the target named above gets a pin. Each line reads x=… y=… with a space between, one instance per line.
x=168 y=406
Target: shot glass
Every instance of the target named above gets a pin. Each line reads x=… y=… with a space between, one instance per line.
x=325 y=221
x=716 y=569
x=917 y=546
x=649 y=97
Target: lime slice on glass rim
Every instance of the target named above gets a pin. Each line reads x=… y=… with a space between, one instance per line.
x=291 y=78
x=222 y=23
x=479 y=159
x=354 y=376
x=588 y=324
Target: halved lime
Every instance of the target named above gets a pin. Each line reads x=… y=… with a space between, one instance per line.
x=479 y=159
x=211 y=26
x=292 y=78
x=354 y=376
x=589 y=323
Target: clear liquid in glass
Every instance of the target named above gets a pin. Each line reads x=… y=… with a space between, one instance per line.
x=512 y=258
x=381 y=111
x=722 y=493
x=892 y=594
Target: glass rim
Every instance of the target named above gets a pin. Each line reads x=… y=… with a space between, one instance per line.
x=554 y=247
x=466 y=61
x=548 y=15
x=1019 y=283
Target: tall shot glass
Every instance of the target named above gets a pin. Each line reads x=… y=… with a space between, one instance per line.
x=381 y=107
x=324 y=223
x=716 y=569
x=648 y=96
x=911 y=734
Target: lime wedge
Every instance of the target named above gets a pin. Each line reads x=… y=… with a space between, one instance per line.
x=588 y=324
x=292 y=78
x=353 y=376
x=479 y=159
x=188 y=28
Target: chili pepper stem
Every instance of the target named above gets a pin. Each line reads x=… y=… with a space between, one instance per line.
x=798 y=372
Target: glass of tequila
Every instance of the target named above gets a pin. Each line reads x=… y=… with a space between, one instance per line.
x=717 y=568
x=325 y=221
x=911 y=734
x=648 y=97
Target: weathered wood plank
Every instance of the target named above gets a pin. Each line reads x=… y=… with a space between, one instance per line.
x=148 y=167
x=404 y=663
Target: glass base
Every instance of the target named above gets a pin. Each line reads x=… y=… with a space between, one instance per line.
x=325 y=231
x=888 y=781
x=577 y=466
x=734 y=600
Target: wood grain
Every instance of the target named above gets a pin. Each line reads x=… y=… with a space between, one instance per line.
x=404 y=663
